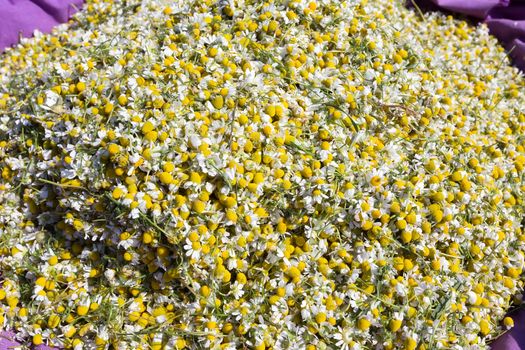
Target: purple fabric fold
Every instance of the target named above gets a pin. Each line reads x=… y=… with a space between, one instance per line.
x=8 y=341
x=474 y=8
x=22 y=17
x=508 y=25
x=506 y=29
x=514 y=339
x=516 y=50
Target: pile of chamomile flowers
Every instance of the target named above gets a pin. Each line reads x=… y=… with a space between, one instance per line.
x=288 y=174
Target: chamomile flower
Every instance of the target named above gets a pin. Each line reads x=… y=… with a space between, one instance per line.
x=292 y=174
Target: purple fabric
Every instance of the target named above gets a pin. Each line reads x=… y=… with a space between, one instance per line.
x=22 y=17
x=508 y=25
x=515 y=338
x=507 y=28
x=7 y=341
x=474 y=8
x=517 y=52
